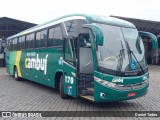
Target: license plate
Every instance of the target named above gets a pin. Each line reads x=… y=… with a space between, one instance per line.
x=132 y=94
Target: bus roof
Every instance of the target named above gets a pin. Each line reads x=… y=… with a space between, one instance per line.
x=92 y=18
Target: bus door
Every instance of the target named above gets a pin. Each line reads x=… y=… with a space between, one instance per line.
x=85 y=63
x=69 y=67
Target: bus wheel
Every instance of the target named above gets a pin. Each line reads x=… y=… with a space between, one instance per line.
x=63 y=95
x=16 y=74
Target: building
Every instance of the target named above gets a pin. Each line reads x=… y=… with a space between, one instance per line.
x=9 y=26
x=144 y=25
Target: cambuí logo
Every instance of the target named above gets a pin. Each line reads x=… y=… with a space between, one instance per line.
x=37 y=63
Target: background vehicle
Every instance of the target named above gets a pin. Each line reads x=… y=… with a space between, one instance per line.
x=98 y=58
x=2 y=52
x=151 y=47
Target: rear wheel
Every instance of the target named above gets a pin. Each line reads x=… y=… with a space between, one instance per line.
x=16 y=74
x=63 y=95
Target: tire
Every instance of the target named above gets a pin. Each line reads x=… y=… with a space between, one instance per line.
x=58 y=79
x=16 y=74
x=63 y=95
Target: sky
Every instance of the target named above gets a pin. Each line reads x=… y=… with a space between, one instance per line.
x=40 y=11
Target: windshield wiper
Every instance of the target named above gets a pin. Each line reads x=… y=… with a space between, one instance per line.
x=130 y=55
x=120 y=60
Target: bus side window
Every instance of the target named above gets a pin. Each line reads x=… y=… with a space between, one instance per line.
x=27 y=41
x=55 y=37
x=69 y=51
x=14 y=44
x=73 y=26
x=32 y=40
x=41 y=38
x=38 y=38
x=23 y=42
x=31 y=43
x=58 y=39
x=19 y=43
x=50 y=41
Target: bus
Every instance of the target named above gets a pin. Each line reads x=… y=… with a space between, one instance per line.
x=2 y=52
x=151 y=47
x=98 y=58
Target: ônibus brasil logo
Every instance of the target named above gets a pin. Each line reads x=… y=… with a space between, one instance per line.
x=37 y=63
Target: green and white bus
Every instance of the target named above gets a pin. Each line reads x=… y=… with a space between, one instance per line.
x=2 y=52
x=98 y=58
x=151 y=47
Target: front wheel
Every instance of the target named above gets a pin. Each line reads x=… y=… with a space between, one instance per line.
x=63 y=95
x=16 y=74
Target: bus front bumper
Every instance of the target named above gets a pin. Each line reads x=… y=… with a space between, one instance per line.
x=107 y=94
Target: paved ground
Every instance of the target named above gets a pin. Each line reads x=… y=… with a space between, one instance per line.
x=29 y=96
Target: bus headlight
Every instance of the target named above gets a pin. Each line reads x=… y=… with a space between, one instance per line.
x=105 y=83
x=146 y=81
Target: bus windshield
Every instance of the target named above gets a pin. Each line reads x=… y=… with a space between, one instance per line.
x=122 y=50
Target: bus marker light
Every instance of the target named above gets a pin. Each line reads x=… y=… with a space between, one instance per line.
x=73 y=74
x=144 y=77
x=131 y=94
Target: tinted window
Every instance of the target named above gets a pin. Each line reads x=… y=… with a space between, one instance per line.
x=14 y=44
x=69 y=51
x=73 y=27
x=41 y=38
x=27 y=41
x=9 y=44
x=51 y=33
x=21 y=42
x=30 y=41
x=58 y=36
x=50 y=37
x=38 y=38
x=55 y=37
